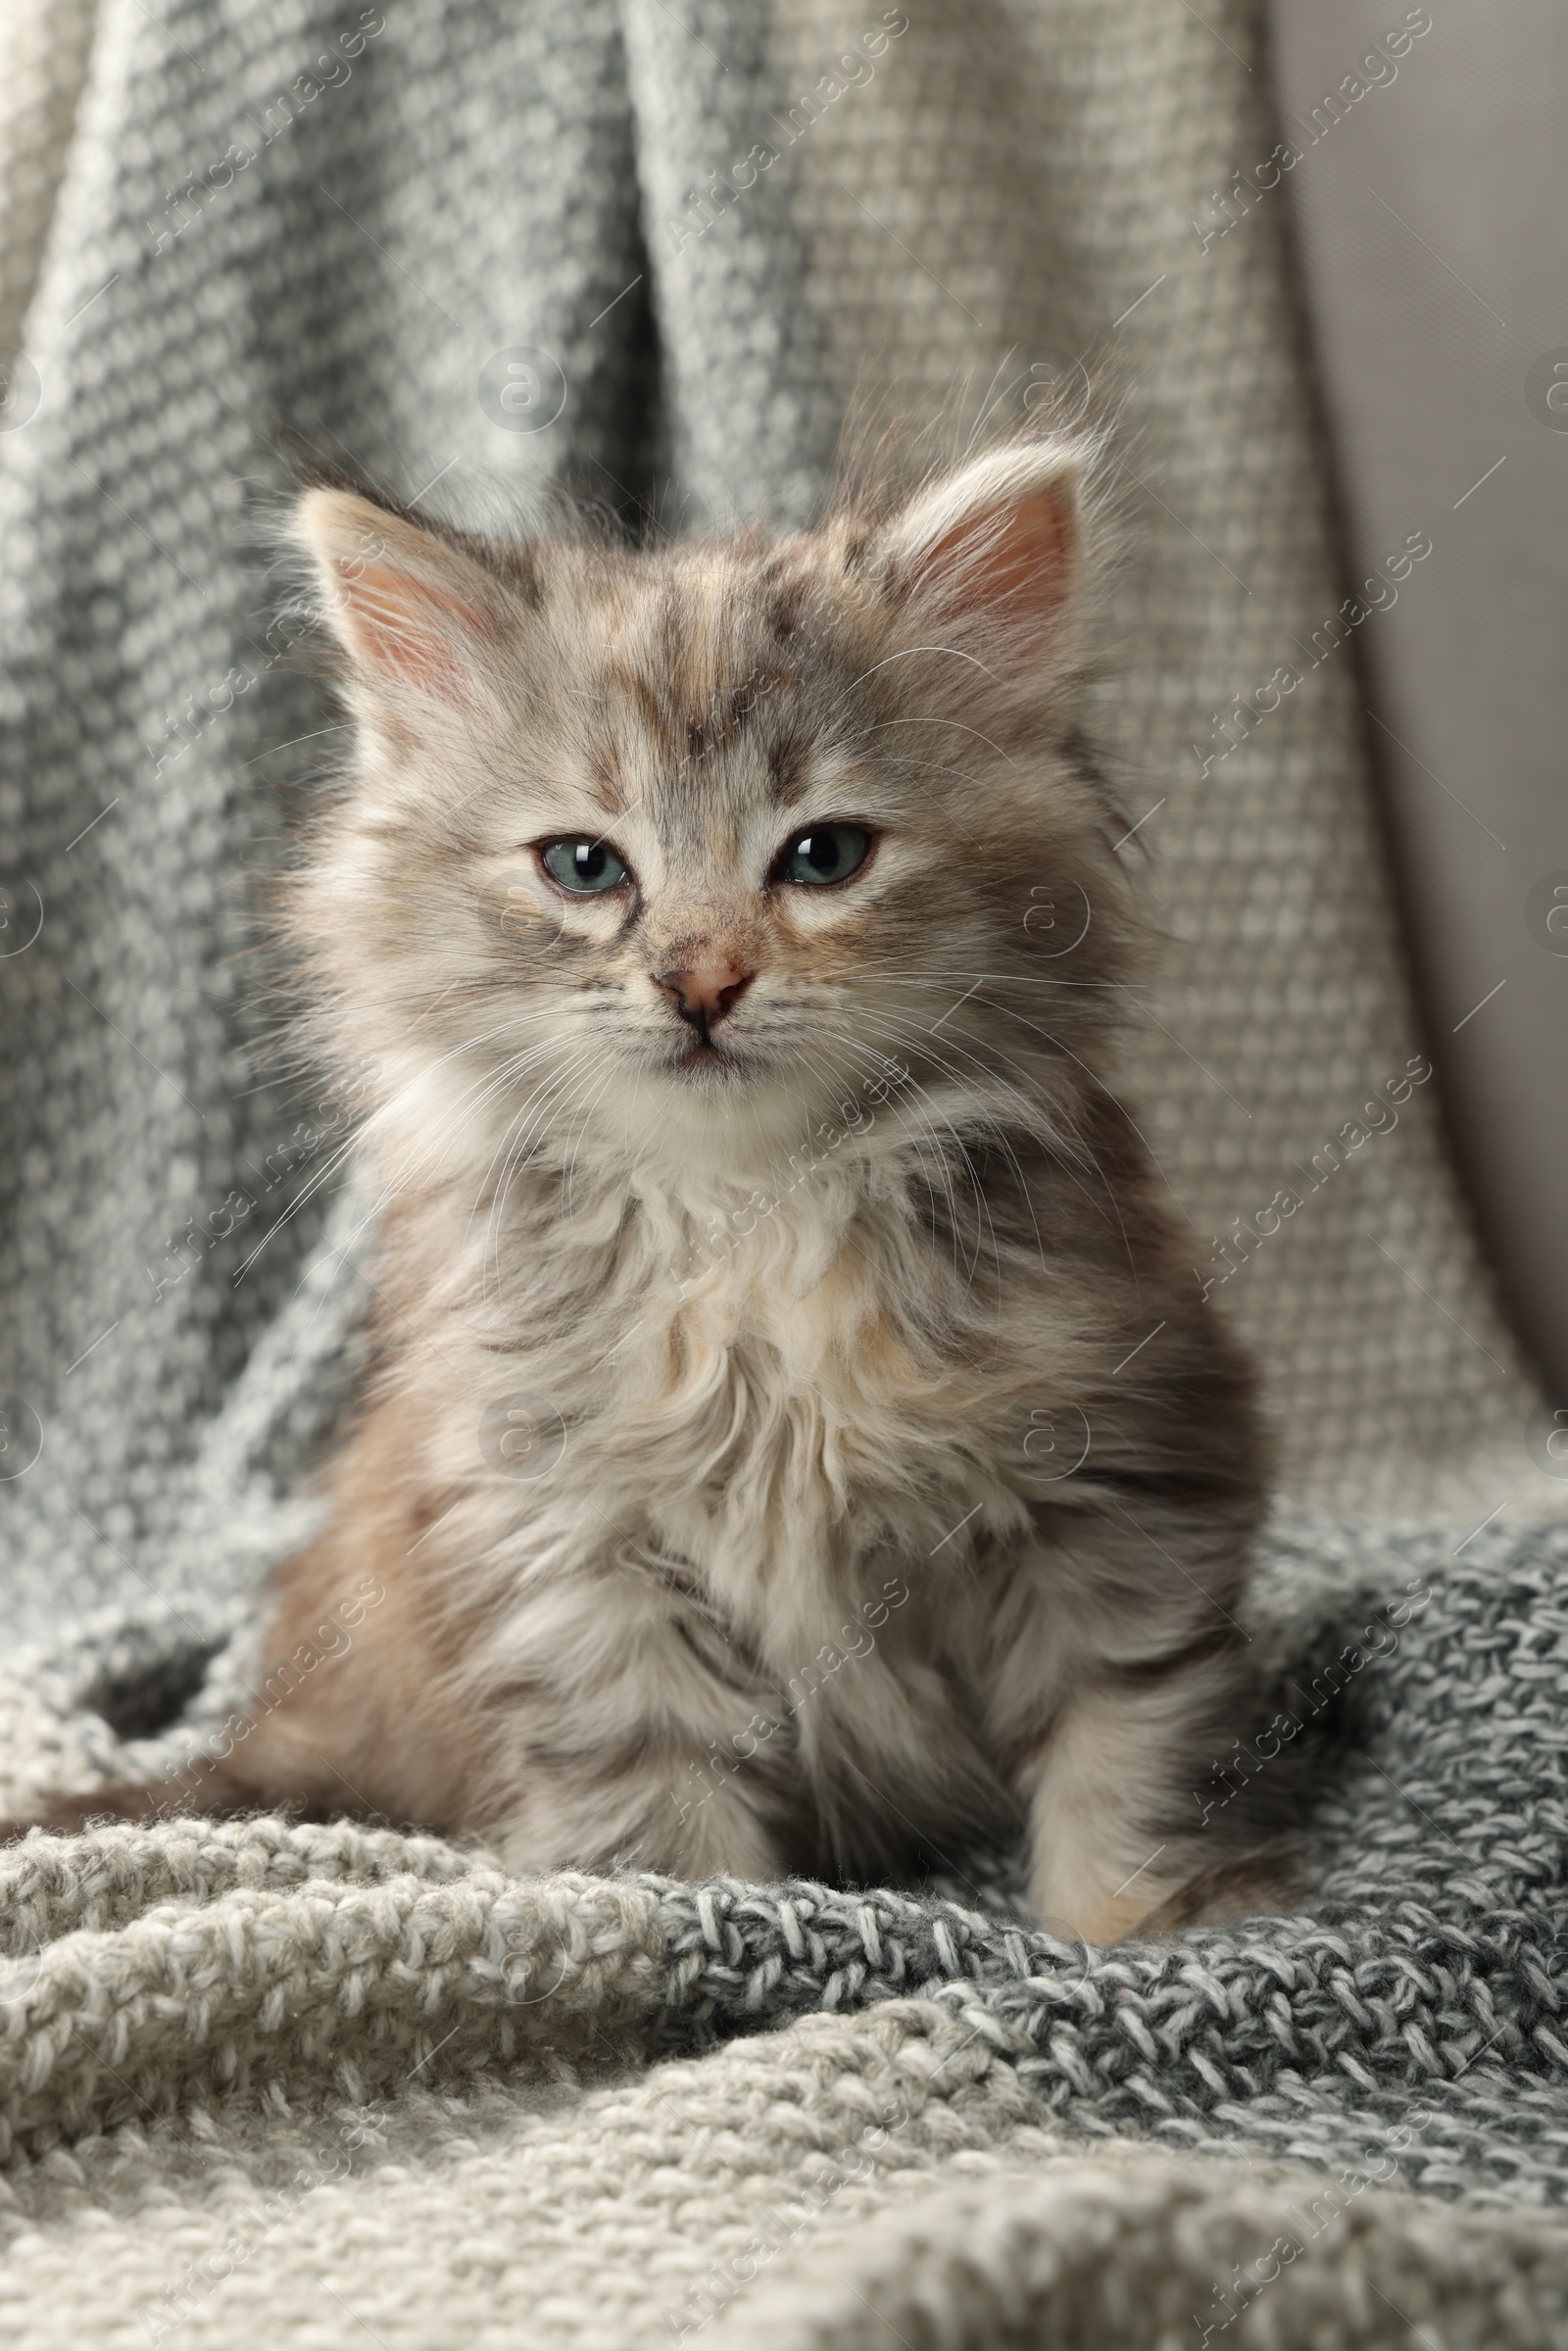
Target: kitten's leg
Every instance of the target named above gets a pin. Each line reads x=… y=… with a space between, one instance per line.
x=1126 y=1829
x=652 y=1749
x=663 y=1812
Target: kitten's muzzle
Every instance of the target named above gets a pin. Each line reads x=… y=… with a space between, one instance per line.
x=705 y=994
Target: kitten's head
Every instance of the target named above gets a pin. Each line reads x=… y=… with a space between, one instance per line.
x=683 y=846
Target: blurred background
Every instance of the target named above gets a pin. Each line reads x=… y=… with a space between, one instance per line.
x=1432 y=246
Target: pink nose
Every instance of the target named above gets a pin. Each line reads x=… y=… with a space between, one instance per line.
x=706 y=993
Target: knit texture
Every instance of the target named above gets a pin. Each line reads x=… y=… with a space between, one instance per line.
x=423 y=2098
x=44 y=61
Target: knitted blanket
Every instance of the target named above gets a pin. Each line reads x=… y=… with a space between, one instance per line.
x=317 y=2083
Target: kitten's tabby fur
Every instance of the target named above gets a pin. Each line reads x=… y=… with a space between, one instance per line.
x=810 y=1301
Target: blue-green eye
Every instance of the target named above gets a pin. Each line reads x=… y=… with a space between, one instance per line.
x=828 y=853
x=584 y=867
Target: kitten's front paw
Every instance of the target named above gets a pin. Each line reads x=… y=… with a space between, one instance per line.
x=1099 y=1922
x=1253 y=1885
x=1256 y=1885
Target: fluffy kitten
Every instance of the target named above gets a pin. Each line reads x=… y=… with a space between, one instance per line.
x=796 y=1439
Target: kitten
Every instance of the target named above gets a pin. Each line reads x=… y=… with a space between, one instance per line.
x=797 y=1442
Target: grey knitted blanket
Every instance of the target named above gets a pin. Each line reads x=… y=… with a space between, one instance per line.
x=267 y=2081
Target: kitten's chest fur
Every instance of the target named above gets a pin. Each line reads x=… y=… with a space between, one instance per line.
x=781 y=1399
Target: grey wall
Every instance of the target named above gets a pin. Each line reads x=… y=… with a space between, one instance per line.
x=1432 y=220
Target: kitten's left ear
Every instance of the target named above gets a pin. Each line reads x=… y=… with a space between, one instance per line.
x=997 y=544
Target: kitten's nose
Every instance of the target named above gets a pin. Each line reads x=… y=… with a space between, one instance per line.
x=706 y=993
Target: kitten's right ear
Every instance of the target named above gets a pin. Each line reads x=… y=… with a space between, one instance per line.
x=410 y=611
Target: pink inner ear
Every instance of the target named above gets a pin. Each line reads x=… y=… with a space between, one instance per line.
x=404 y=626
x=1013 y=562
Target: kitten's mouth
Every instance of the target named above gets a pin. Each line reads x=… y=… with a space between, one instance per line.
x=705 y=1059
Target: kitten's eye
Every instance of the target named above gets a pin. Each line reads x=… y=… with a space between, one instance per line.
x=828 y=853
x=584 y=867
